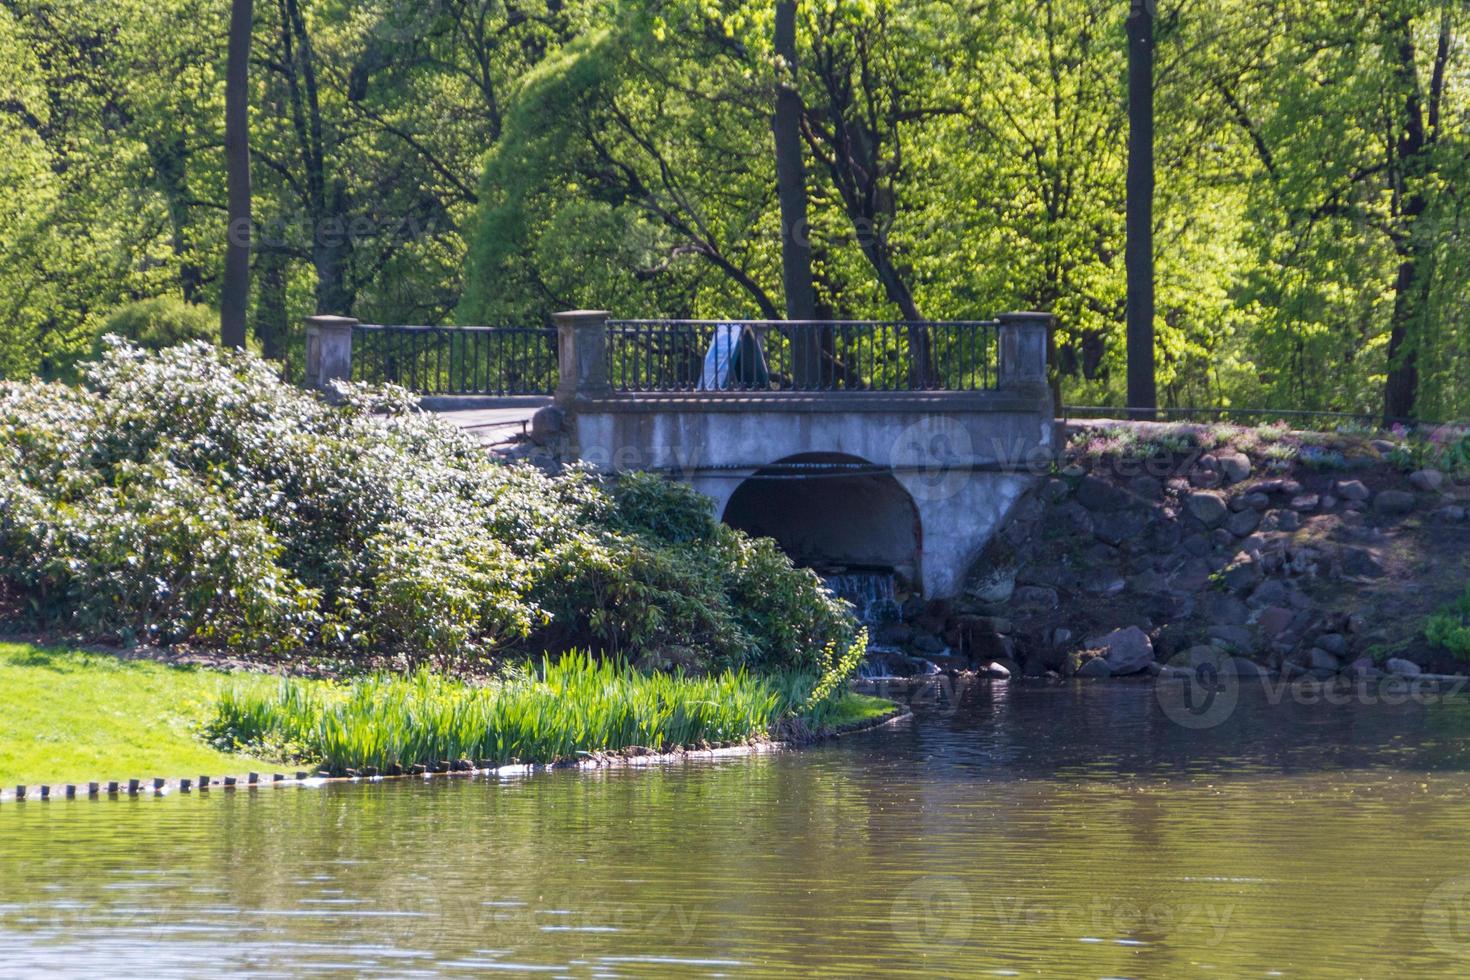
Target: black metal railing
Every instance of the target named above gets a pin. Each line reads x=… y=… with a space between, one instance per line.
x=786 y=355
x=457 y=360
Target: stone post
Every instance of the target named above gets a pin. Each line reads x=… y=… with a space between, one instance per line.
x=328 y=350
x=1022 y=356
x=582 y=347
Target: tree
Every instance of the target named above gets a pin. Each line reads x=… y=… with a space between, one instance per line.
x=235 y=290
x=796 y=245
x=1142 y=390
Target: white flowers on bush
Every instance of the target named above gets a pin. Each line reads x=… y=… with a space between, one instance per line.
x=190 y=495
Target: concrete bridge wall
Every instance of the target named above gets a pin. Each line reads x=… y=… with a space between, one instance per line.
x=962 y=458
x=937 y=471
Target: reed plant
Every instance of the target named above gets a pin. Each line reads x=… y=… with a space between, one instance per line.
x=561 y=709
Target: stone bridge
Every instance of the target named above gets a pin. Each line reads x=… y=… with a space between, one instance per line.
x=857 y=446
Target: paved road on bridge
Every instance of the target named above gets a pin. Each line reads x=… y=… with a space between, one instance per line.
x=491 y=422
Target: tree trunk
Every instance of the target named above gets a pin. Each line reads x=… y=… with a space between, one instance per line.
x=796 y=246
x=1142 y=389
x=1401 y=389
x=235 y=289
x=270 y=304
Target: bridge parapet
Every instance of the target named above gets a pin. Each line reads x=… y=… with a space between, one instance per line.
x=603 y=358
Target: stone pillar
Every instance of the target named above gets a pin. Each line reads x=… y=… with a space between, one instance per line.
x=328 y=350
x=582 y=347
x=1022 y=357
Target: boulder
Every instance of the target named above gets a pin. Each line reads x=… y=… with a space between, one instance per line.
x=1244 y=574
x=1097 y=667
x=1393 y=503
x=1192 y=576
x=1208 y=508
x=1224 y=610
x=1334 y=643
x=1400 y=667
x=995 y=585
x=1281 y=520
x=1274 y=620
x=984 y=624
x=1272 y=592
x=1240 y=639
x=1146 y=487
x=1316 y=663
x=991 y=646
x=1242 y=667
x=1100 y=495
x=1363 y=667
x=1105 y=582
x=1115 y=527
x=1127 y=651
x=1243 y=523
x=1055 y=491
x=1453 y=514
x=1035 y=596
x=1359 y=563
x=547 y=425
x=1306 y=503
x=1351 y=490
x=996 y=671
x=1235 y=467
x=1428 y=481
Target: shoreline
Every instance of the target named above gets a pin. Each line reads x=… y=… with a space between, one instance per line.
x=251 y=781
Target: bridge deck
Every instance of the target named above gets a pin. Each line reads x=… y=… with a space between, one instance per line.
x=490 y=421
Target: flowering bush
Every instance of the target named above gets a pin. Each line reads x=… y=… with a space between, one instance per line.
x=190 y=495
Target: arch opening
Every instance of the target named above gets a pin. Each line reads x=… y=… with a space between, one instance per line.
x=850 y=527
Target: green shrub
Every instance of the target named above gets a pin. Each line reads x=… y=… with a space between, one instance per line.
x=1449 y=629
x=566 y=708
x=190 y=495
x=154 y=324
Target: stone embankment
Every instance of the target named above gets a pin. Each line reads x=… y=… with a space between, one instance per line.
x=1308 y=556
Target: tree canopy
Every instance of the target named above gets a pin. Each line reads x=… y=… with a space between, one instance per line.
x=493 y=161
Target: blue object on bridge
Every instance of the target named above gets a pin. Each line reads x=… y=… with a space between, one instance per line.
x=734 y=360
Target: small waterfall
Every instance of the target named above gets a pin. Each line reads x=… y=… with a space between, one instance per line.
x=874 y=594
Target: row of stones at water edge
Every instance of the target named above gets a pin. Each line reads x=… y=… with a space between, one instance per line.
x=1126 y=559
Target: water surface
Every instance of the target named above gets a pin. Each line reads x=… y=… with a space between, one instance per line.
x=1035 y=830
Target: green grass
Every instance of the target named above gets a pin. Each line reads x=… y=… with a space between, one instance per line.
x=71 y=717
x=856 y=709
x=562 y=710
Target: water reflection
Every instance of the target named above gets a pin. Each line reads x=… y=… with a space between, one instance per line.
x=1065 y=831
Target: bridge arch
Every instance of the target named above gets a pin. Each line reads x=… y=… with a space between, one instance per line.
x=830 y=512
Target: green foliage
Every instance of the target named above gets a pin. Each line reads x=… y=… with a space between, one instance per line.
x=1445 y=448
x=154 y=324
x=569 y=707
x=190 y=495
x=1449 y=629
x=74 y=716
x=494 y=162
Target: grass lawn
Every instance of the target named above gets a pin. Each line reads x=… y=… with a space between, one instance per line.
x=854 y=709
x=74 y=717
x=71 y=717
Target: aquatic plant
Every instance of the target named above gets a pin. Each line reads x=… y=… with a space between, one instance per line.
x=562 y=709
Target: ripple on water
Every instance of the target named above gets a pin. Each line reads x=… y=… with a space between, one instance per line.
x=1054 y=830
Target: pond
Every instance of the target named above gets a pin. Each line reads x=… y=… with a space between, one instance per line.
x=1065 y=830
